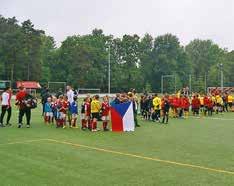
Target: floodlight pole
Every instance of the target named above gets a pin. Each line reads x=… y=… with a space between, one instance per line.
x=205 y=82
x=162 y=84
x=221 y=76
x=109 y=83
x=190 y=83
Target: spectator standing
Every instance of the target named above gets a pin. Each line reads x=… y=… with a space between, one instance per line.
x=6 y=106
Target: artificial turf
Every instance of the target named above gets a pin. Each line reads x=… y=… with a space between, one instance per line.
x=105 y=159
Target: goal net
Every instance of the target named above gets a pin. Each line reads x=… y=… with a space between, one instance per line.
x=168 y=84
x=55 y=87
x=4 y=84
x=214 y=90
x=85 y=91
x=198 y=84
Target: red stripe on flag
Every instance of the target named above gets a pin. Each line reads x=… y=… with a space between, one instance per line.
x=117 y=122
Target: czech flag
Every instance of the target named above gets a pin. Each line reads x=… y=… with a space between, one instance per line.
x=122 y=117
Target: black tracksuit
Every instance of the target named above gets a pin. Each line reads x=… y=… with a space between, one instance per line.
x=166 y=107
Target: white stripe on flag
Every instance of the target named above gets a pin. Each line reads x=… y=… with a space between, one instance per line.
x=128 y=119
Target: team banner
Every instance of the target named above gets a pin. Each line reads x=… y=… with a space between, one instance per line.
x=122 y=117
x=28 y=84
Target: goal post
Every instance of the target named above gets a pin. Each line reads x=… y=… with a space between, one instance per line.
x=198 y=83
x=168 y=84
x=88 y=91
x=4 y=84
x=55 y=86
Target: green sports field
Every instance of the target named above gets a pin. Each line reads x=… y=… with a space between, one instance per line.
x=184 y=152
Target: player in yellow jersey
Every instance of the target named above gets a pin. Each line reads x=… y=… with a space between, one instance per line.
x=219 y=104
x=230 y=101
x=201 y=98
x=95 y=110
x=157 y=108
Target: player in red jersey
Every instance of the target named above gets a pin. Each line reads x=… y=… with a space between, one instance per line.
x=186 y=105
x=206 y=104
x=176 y=104
x=170 y=100
x=210 y=106
x=181 y=106
x=64 y=109
x=82 y=116
x=87 y=113
x=60 y=112
x=196 y=105
x=105 y=112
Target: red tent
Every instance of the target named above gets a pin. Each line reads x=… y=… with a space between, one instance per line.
x=28 y=84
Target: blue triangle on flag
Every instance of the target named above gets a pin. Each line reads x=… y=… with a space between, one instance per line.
x=121 y=108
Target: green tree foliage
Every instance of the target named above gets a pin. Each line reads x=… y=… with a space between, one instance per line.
x=20 y=50
x=26 y=53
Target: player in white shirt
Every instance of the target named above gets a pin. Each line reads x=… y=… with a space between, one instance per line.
x=70 y=98
x=6 y=106
x=70 y=94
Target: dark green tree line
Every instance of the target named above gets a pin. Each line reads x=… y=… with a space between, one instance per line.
x=27 y=53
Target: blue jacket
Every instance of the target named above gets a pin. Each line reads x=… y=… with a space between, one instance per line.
x=74 y=108
x=48 y=107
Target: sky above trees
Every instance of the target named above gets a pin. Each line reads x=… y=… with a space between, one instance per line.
x=187 y=19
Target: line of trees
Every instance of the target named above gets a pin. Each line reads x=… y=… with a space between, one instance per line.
x=27 y=53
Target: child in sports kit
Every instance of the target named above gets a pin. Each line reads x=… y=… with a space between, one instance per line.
x=206 y=104
x=62 y=106
x=88 y=114
x=64 y=109
x=105 y=113
x=73 y=107
x=95 y=110
x=230 y=100
x=181 y=106
x=82 y=116
x=53 y=107
x=58 y=112
x=175 y=106
x=196 y=105
x=219 y=104
x=186 y=104
x=165 y=109
x=48 y=111
x=202 y=108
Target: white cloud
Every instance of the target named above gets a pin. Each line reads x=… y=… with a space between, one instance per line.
x=188 y=19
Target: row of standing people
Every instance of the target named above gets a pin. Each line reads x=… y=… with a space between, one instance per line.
x=24 y=102
x=65 y=113
x=152 y=107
